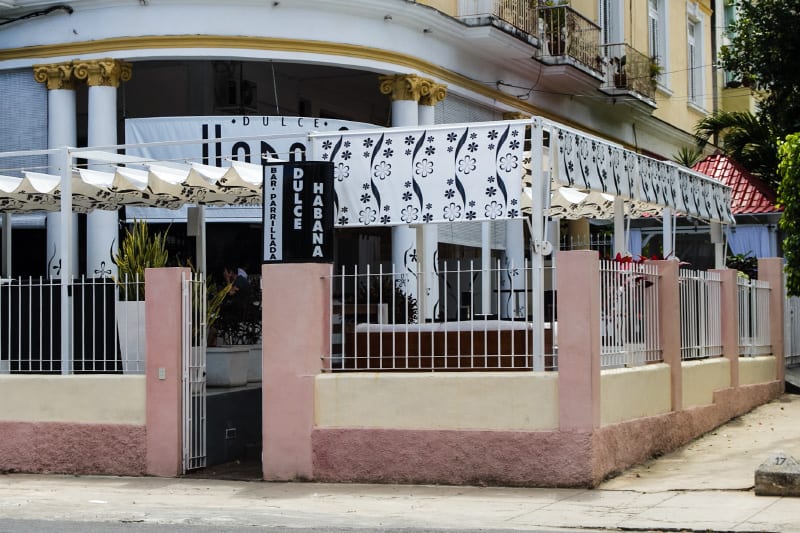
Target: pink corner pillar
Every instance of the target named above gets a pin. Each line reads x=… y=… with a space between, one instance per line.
x=163 y=323
x=729 y=301
x=770 y=269
x=295 y=339
x=578 y=340
x=669 y=313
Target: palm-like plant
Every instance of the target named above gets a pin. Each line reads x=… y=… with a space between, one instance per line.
x=139 y=250
x=746 y=139
x=688 y=156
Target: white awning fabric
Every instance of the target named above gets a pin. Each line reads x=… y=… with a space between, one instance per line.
x=401 y=175
x=148 y=185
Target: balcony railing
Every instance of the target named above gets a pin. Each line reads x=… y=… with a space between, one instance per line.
x=628 y=70
x=561 y=32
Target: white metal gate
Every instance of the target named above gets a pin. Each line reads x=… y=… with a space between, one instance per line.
x=194 y=372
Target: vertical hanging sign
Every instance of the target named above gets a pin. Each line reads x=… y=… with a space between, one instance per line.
x=298 y=212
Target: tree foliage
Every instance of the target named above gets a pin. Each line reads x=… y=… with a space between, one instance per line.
x=789 y=199
x=763 y=50
x=746 y=138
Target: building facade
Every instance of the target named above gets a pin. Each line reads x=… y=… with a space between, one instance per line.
x=636 y=73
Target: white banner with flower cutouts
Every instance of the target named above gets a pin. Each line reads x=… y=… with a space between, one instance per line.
x=425 y=174
x=586 y=163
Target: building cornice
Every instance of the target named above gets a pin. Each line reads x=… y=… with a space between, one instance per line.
x=119 y=45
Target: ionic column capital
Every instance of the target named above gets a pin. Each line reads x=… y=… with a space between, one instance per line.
x=55 y=75
x=103 y=72
x=402 y=86
x=432 y=93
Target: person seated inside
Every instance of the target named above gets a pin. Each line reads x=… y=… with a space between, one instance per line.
x=239 y=295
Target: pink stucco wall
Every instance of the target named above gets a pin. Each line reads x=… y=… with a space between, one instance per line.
x=620 y=446
x=539 y=458
x=296 y=337
x=72 y=448
x=164 y=326
x=566 y=458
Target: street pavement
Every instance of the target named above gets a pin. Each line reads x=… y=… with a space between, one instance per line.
x=705 y=486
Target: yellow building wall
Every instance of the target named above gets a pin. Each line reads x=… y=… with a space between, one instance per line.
x=466 y=401
x=672 y=99
x=449 y=7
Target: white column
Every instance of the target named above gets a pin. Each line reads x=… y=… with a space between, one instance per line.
x=716 y=230
x=620 y=244
x=61 y=131
x=404 y=238
x=405 y=93
x=102 y=227
x=512 y=300
x=486 y=267
x=540 y=187
x=666 y=232
x=428 y=234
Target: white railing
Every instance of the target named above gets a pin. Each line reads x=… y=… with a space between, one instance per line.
x=792 y=331
x=479 y=320
x=628 y=314
x=754 y=336
x=107 y=330
x=701 y=314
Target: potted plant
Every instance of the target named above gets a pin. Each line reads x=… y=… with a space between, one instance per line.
x=138 y=250
x=239 y=328
x=655 y=71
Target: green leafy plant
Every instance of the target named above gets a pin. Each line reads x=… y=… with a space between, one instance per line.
x=139 y=250
x=215 y=298
x=688 y=156
x=240 y=322
x=746 y=264
x=789 y=201
x=402 y=307
x=655 y=70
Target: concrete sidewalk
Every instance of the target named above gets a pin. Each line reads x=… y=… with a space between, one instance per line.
x=707 y=486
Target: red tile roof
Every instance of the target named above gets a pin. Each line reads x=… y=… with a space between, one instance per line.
x=749 y=194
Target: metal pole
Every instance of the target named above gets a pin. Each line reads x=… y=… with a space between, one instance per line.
x=66 y=250
x=540 y=186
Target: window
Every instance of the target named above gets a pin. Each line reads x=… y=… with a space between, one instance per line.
x=695 y=62
x=611 y=21
x=657 y=36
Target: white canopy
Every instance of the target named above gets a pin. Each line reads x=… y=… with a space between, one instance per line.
x=428 y=174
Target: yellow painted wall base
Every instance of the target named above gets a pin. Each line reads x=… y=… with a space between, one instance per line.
x=456 y=400
x=754 y=370
x=101 y=399
x=628 y=393
x=702 y=378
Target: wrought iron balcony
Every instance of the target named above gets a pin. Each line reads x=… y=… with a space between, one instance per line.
x=561 y=34
x=629 y=71
x=565 y=33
